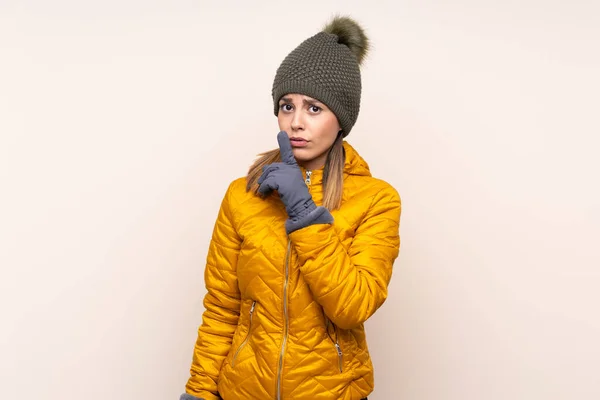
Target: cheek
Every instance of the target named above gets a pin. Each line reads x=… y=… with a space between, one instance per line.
x=329 y=131
x=331 y=138
x=281 y=121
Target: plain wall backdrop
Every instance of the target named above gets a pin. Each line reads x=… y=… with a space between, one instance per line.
x=123 y=122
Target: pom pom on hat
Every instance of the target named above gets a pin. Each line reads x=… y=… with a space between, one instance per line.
x=350 y=33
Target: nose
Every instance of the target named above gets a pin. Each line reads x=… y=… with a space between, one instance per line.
x=297 y=122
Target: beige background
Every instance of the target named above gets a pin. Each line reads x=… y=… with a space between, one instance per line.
x=122 y=123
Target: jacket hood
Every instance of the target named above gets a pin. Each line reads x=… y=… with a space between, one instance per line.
x=355 y=164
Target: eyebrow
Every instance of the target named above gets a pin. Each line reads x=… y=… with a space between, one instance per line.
x=289 y=100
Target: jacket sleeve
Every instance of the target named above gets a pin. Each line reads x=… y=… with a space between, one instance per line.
x=221 y=303
x=352 y=284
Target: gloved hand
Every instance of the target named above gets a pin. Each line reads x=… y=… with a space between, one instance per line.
x=286 y=177
x=186 y=396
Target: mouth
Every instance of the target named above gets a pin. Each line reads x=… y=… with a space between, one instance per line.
x=298 y=142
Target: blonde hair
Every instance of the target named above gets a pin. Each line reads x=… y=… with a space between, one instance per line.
x=333 y=173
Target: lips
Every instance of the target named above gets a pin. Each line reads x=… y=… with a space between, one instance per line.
x=298 y=142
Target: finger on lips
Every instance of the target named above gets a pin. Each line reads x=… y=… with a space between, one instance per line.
x=285 y=148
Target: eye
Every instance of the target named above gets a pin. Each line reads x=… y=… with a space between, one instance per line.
x=315 y=109
x=285 y=107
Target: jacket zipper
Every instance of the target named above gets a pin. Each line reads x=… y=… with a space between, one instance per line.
x=247 y=335
x=307 y=180
x=285 y=304
x=285 y=317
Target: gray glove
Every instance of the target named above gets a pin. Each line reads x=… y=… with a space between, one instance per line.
x=286 y=177
x=186 y=396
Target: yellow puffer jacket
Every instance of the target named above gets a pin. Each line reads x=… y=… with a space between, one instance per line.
x=284 y=314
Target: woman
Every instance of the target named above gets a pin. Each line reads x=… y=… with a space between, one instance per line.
x=303 y=246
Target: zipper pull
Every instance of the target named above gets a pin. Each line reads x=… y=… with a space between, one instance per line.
x=339 y=349
x=340 y=360
x=307 y=180
x=252 y=308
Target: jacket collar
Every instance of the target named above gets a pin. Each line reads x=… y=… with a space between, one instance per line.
x=354 y=165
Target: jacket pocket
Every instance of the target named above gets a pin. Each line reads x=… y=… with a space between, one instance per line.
x=241 y=346
x=336 y=344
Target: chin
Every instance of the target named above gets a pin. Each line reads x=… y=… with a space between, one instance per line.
x=303 y=154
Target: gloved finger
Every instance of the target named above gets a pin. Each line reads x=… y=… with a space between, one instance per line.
x=267 y=169
x=268 y=185
x=285 y=148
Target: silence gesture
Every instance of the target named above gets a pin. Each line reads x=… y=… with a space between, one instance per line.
x=286 y=177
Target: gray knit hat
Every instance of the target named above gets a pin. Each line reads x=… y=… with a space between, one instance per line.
x=326 y=67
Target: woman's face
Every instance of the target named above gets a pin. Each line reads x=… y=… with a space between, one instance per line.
x=311 y=127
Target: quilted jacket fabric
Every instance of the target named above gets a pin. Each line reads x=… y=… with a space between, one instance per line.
x=284 y=313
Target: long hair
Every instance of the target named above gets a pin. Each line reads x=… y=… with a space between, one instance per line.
x=333 y=173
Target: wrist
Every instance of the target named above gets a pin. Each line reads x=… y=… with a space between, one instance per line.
x=313 y=215
x=301 y=208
